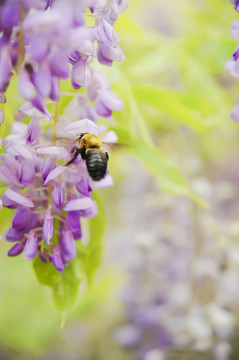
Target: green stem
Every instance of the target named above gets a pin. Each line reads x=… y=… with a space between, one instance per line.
x=21 y=39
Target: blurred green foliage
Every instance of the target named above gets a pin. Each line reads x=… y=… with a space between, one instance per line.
x=178 y=98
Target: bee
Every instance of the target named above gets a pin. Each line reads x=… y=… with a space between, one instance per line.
x=90 y=149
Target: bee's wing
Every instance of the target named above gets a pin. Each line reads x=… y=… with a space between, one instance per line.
x=81 y=126
x=109 y=140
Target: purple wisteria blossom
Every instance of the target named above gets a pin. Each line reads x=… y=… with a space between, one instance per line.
x=43 y=42
x=49 y=198
x=50 y=48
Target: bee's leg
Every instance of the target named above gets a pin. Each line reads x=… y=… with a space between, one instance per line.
x=107 y=156
x=74 y=149
x=82 y=153
x=77 y=152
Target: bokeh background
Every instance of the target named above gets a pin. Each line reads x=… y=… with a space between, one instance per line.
x=168 y=285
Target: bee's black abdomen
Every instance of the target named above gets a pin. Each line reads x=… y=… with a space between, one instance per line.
x=96 y=163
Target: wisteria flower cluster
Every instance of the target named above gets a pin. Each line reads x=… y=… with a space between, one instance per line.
x=42 y=42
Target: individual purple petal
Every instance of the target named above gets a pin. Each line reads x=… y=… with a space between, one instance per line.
x=8 y=175
x=47 y=167
x=1 y=116
x=21 y=218
x=80 y=44
x=8 y=203
x=5 y=68
x=235 y=114
x=30 y=249
x=33 y=222
x=54 y=173
x=83 y=186
x=48 y=226
x=110 y=137
x=15 y=250
x=59 y=65
x=55 y=90
x=236 y=67
x=10 y=15
x=91 y=212
x=77 y=235
x=101 y=108
x=42 y=80
x=235 y=55
x=78 y=17
x=105 y=182
x=17 y=149
x=111 y=53
x=74 y=57
x=80 y=74
x=39 y=48
x=30 y=110
x=78 y=204
x=56 y=259
x=18 y=198
x=112 y=101
x=106 y=102
x=41 y=107
x=27 y=173
x=106 y=34
x=98 y=82
x=58 y=195
x=73 y=175
x=86 y=48
x=73 y=221
x=33 y=130
x=44 y=23
x=14 y=235
x=102 y=59
x=25 y=85
x=18 y=129
x=68 y=246
x=235 y=30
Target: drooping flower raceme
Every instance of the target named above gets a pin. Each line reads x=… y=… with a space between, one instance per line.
x=43 y=42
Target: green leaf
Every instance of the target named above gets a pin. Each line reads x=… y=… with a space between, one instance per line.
x=64 y=286
x=170 y=104
x=97 y=227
